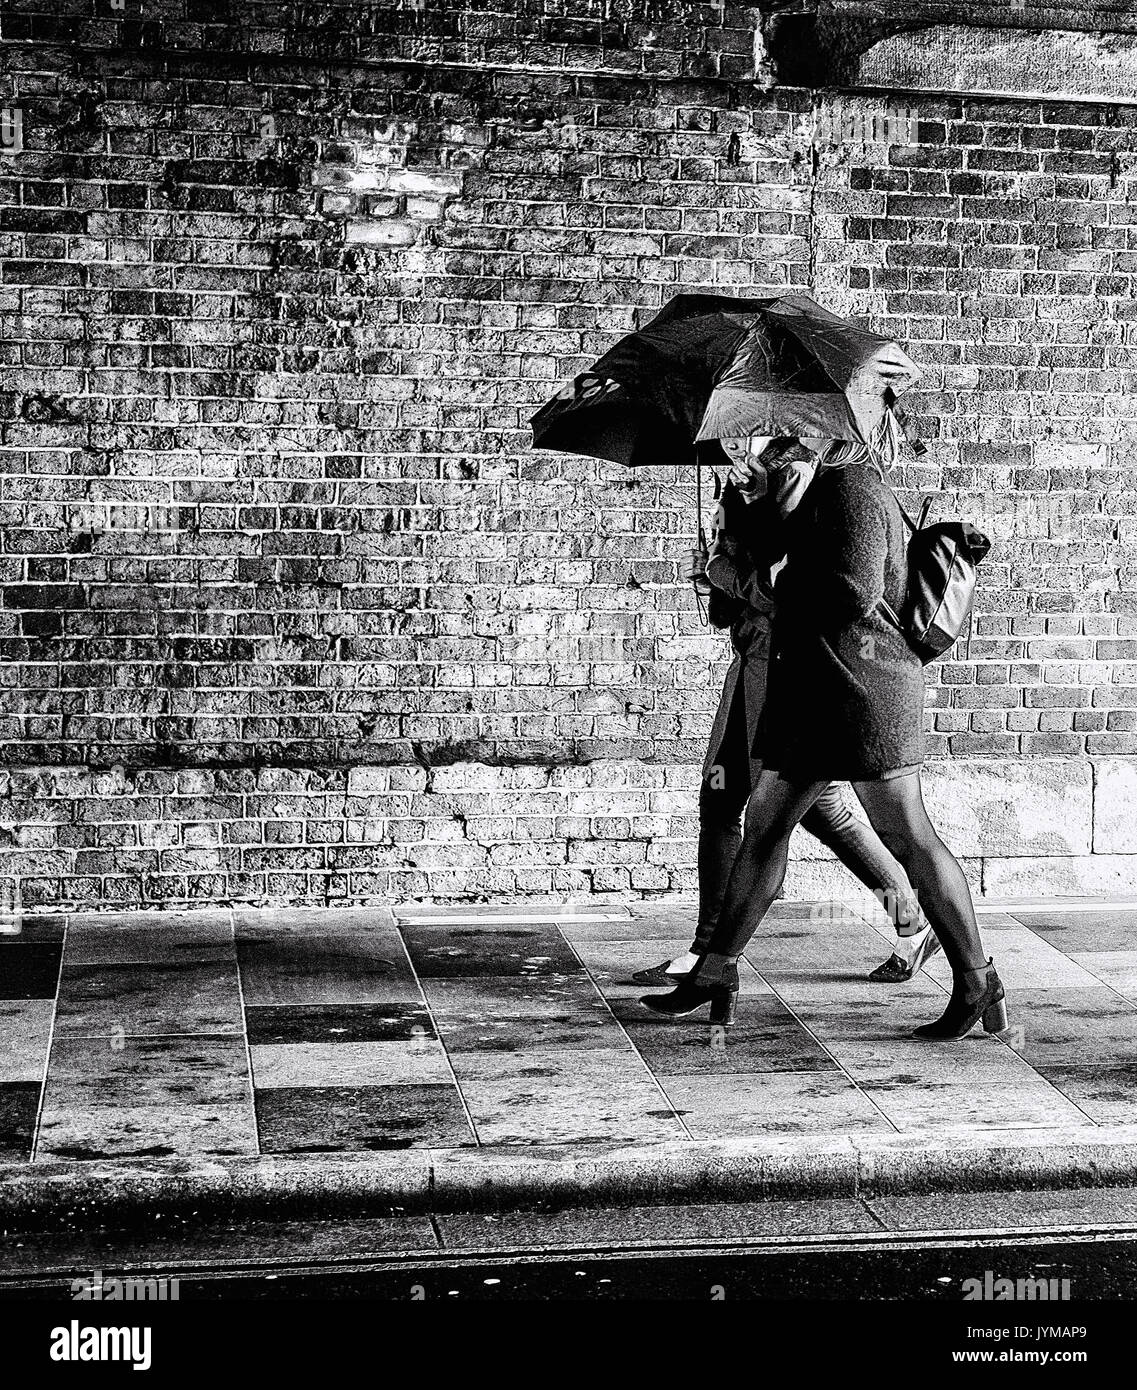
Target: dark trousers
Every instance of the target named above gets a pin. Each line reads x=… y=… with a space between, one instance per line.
x=726 y=787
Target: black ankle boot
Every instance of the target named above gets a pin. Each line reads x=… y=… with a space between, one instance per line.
x=975 y=994
x=690 y=994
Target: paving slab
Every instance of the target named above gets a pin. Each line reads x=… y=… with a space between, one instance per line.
x=83 y=1133
x=449 y=1056
x=30 y=970
x=19 y=1108
x=1107 y=1095
x=123 y=943
x=338 y=1023
x=729 y=1105
x=146 y=998
x=402 y=1062
x=1115 y=969
x=350 y=968
x=25 y=1036
x=327 y=1119
x=544 y=1111
x=174 y=1069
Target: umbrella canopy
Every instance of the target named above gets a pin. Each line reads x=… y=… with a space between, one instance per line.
x=713 y=367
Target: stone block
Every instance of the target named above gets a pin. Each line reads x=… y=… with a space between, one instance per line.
x=957 y=57
x=1087 y=874
x=1115 y=805
x=1004 y=807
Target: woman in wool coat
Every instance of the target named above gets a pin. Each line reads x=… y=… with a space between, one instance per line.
x=748 y=543
x=845 y=700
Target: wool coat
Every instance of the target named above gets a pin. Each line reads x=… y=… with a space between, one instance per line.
x=845 y=691
x=746 y=544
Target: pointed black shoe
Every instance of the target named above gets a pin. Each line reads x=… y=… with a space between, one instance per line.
x=975 y=995
x=896 y=969
x=658 y=975
x=690 y=995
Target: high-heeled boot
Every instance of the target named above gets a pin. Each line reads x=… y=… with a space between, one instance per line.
x=975 y=995
x=692 y=993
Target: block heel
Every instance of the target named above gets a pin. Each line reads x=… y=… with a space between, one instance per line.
x=995 y=1017
x=724 y=1005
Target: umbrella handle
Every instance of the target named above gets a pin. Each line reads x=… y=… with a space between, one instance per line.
x=700 y=534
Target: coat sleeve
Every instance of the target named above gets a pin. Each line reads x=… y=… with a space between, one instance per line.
x=850 y=550
x=738 y=562
x=732 y=573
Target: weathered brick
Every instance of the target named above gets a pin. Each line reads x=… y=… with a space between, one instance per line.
x=382 y=623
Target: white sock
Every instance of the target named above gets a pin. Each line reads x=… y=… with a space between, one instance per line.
x=907 y=946
x=684 y=964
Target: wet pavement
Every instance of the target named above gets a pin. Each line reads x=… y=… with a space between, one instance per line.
x=308 y=1031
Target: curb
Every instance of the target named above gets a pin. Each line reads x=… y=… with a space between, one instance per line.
x=83 y=1196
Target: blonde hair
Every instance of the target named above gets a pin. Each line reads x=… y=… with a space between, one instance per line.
x=881 y=451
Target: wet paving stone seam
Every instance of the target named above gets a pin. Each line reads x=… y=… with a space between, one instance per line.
x=33 y=1150
x=250 y=1080
x=628 y=1038
x=441 y=1040
x=801 y=1023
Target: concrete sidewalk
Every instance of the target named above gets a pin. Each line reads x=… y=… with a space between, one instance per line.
x=429 y=1056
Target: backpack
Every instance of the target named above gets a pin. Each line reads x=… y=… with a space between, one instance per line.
x=942 y=561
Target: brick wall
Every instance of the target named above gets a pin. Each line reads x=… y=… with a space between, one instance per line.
x=290 y=611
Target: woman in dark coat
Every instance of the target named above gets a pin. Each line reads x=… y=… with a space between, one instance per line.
x=749 y=541
x=845 y=700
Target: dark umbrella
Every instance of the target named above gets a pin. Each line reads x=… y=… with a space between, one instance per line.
x=713 y=367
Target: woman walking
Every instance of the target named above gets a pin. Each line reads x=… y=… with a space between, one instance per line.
x=749 y=540
x=845 y=701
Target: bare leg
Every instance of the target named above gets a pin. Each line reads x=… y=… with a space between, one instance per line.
x=895 y=808
x=775 y=809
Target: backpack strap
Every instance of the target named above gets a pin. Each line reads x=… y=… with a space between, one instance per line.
x=890 y=613
x=925 y=508
x=914 y=526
